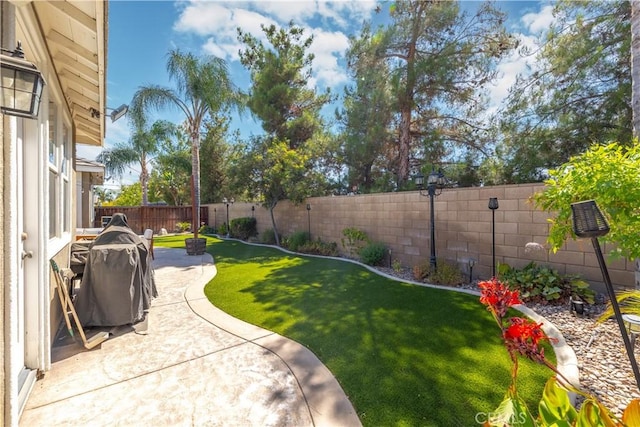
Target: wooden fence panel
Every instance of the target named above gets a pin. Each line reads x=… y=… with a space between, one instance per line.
x=154 y=217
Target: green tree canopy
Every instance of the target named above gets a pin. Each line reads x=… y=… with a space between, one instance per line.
x=143 y=145
x=170 y=179
x=440 y=60
x=608 y=174
x=578 y=94
x=284 y=163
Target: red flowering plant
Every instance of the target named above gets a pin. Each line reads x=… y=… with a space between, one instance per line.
x=524 y=337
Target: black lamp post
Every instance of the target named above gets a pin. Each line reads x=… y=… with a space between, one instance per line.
x=253 y=211
x=215 y=219
x=435 y=183
x=228 y=202
x=588 y=221
x=309 y=218
x=493 y=205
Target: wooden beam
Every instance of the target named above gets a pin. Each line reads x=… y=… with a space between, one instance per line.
x=74 y=13
x=59 y=39
x=73 y=65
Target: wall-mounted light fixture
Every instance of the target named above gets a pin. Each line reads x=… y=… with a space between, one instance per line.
x=115 y=114
x=21 y=85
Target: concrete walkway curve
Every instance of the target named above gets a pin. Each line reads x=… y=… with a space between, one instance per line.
x=189 y=364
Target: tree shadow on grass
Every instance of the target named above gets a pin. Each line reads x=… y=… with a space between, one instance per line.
x=404 y=354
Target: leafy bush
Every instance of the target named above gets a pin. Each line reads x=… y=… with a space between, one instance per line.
x=243 y=228
x=222 y=229
x=591 y=176
x=296 y=240
x=543 y=284
x=207 y=229
x=181 y=227
x=397 y=266
x=319 y=248
x=268 y=237
x=421 y=271
x=373 y=253
x=353 y=241
x=447 y=274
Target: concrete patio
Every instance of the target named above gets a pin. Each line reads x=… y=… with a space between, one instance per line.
x=189 y=364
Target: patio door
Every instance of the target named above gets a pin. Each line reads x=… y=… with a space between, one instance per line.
x=24 y=259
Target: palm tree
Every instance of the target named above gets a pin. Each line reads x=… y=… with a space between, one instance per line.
x=203 y=88
x=140 y=149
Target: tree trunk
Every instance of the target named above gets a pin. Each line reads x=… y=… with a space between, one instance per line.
x=195 y=175
x=144 y=182
x=275 y=227
x=635 y=89
x=405 y=145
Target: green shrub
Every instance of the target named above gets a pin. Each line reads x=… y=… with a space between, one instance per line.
x=181 y=227
x=397 y=266
x=543 y=284
x=243 y=228
x=296 y=240
x=447 y=274
x=373 y=253
x=207 y=229
x=353 y=241
x=222 y=229
x=268 y=237
x=319 y=248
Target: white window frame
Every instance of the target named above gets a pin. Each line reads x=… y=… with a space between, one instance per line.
x=58 y=177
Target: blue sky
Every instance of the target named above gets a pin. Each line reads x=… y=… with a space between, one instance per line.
x=142 y=32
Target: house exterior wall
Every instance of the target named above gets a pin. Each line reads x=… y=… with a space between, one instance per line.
x=463 y=228
x=27 y=242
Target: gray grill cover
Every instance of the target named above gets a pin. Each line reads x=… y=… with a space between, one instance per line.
x=117 y=284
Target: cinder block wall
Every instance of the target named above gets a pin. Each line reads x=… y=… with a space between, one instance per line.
x=463 y=228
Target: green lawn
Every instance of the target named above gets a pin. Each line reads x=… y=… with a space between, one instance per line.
x=405 y=355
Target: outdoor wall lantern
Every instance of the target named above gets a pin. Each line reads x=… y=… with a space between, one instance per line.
x=435 y=183
x=589 y=222
x=21 y=85
x=228 y=202
x=493 y=205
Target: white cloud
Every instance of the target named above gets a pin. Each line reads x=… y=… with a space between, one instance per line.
x=218 y=22
x=285 y=11
x=540 y=21
x=328 y=47
x=510 y=67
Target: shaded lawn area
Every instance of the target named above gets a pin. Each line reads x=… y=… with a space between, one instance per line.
x=405 y=355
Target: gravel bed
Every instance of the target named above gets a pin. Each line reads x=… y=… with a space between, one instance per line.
x=603 y=364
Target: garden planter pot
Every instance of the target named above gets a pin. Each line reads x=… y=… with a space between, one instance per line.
x=196 y=246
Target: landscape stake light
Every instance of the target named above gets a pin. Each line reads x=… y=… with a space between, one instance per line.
x=589 y=222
